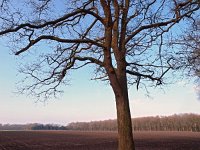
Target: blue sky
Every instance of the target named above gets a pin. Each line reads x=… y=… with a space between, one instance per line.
x=86 y=100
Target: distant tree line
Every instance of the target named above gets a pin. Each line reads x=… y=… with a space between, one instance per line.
x=181 y=122
x=106 y=125
x=47 y=127
x=33 y=126
x=15 y=126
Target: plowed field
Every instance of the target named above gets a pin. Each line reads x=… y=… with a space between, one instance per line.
x=78 y=140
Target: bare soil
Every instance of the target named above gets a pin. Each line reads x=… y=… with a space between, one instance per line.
x=78 y=140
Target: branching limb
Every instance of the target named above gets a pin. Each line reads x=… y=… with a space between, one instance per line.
x=54 y=38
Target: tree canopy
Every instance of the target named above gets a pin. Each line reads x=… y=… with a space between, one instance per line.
x=76 y=35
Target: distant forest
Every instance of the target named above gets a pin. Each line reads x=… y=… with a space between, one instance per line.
x=32 y=126
x=181 y=122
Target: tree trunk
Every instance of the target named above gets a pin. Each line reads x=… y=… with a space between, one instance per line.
x=125 y=132
x=118 y=81
x=125 y=135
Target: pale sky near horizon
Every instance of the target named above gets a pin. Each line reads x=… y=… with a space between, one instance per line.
x=86 y=100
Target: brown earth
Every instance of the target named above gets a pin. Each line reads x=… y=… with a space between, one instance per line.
x=78 y=140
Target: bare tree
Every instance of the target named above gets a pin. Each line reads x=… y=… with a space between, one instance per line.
x=192 y=45
x=125 y=41
x=189 y=55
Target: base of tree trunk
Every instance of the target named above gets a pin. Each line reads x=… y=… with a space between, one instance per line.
x=125 y=134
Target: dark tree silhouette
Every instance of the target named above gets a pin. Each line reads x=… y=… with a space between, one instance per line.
x=125 y=41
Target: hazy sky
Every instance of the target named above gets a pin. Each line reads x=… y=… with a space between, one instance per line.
x=86 y=100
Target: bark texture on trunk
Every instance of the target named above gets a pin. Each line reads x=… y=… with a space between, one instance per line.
x=125 y=140
x=125 y=134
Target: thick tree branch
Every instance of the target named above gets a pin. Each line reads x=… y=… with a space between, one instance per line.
x=149 y=76
x=54 y=38
x=143 y=75
x=91 y=59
